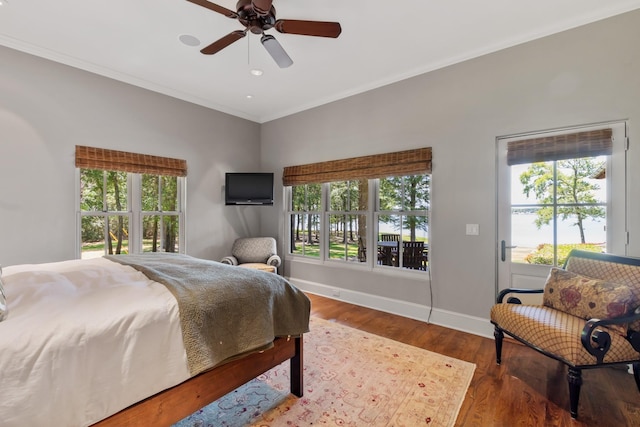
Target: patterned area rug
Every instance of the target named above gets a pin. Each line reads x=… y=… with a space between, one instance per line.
x=351 y=378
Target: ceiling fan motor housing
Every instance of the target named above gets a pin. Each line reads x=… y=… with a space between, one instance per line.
x=255 y=22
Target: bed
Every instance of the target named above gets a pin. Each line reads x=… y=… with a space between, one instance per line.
x=140 y=340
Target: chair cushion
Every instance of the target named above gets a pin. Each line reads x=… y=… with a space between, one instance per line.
x=556 y=332
x=587 y=298
x=259 y=266
x=254 y=249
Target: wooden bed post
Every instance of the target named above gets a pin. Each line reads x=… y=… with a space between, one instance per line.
x=297 y=368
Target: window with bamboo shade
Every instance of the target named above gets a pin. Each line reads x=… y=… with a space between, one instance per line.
x=409 y=162
x=122 y=161
x=591 y=143
x=129 y=202
x=401 y=182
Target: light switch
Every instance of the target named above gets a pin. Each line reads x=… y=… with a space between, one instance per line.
x=473 y=229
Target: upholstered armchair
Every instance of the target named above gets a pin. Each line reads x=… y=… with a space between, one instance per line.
x=590 y=316
x=254 y=252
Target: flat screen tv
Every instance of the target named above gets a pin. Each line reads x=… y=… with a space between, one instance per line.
x=248 y=188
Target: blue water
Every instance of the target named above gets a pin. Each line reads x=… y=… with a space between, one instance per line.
x=524 y=232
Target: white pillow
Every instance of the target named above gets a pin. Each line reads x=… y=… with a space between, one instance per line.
x=4 y=310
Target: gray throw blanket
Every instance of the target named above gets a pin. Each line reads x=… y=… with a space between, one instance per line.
x=225 y=311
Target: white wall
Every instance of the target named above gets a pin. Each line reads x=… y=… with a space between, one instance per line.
x=47 y=108
x=586 y=75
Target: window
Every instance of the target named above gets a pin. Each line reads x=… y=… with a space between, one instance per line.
x=160 y=213
x=347 y=220
x=104 y=211
x=558 y=205
x=381 y=199
x=403 y=204
x=304 y=217
x=125 y=210
x=564 y=188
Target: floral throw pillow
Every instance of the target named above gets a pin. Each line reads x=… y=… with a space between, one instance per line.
x=586 y=297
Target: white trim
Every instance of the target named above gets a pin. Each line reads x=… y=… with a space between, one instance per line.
x=449 y=319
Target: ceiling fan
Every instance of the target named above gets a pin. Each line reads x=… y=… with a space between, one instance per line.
x=259 y=16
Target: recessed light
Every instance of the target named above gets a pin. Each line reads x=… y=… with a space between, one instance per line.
x=186 y=39
x=249 y=96
x=254 y=71
x=3 y=2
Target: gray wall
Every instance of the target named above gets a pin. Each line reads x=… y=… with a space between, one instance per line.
x=586 y=75
x=590 y=74
x=47 y=108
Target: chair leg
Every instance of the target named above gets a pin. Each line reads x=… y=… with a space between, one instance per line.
x=636 y=374
x=499 y=336
x=575 y=381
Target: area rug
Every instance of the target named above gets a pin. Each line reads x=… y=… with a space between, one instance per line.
x=351 y=378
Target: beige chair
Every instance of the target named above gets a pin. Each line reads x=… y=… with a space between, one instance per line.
x=254 y=252
x=590 y=317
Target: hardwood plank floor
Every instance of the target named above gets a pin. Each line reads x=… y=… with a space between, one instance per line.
x=527 y=389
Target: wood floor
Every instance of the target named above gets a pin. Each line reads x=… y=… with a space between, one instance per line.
x=527 y=389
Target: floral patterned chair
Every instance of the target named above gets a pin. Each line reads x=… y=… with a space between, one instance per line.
x=254 y=252
x=590 y=316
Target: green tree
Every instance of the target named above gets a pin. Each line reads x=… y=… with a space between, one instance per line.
x=103 y=191
x=574 y=193
x=305 y=198
x=160 y=194
x=405 y=193
x=91 y=196
x=115 y=195
x=349 y=196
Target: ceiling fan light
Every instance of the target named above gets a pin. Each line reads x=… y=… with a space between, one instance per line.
x=276 y=51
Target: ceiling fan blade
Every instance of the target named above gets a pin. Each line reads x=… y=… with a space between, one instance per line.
x=308 y=28
x=212 y=6
x=276 y=51
x=261 y=7
x=225 y=41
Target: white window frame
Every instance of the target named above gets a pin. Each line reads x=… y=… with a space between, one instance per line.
x=134 y=214
x=372 y=214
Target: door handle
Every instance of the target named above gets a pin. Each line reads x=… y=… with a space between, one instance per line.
x=503 y=250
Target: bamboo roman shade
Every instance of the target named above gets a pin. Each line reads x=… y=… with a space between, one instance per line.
x=100 y=158
x=410 y=162
x=560 y=147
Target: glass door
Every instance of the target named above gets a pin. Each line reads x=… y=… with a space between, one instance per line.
x=552 y=199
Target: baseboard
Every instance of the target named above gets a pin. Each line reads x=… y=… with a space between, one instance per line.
x=449 y=319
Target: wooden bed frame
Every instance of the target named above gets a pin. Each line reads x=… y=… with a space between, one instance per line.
x=172 y=405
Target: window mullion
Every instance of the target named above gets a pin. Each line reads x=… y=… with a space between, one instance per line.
x=555 y=212
x=104 y=191
x=325 y=227
x=135 y=217
x=182 y=203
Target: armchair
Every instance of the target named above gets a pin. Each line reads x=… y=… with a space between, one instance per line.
x=254 y=252
x=590 y=316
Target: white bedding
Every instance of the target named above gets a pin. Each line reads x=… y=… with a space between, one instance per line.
x=83 y=340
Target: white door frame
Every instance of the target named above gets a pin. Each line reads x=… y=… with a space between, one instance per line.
x=530 y=276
